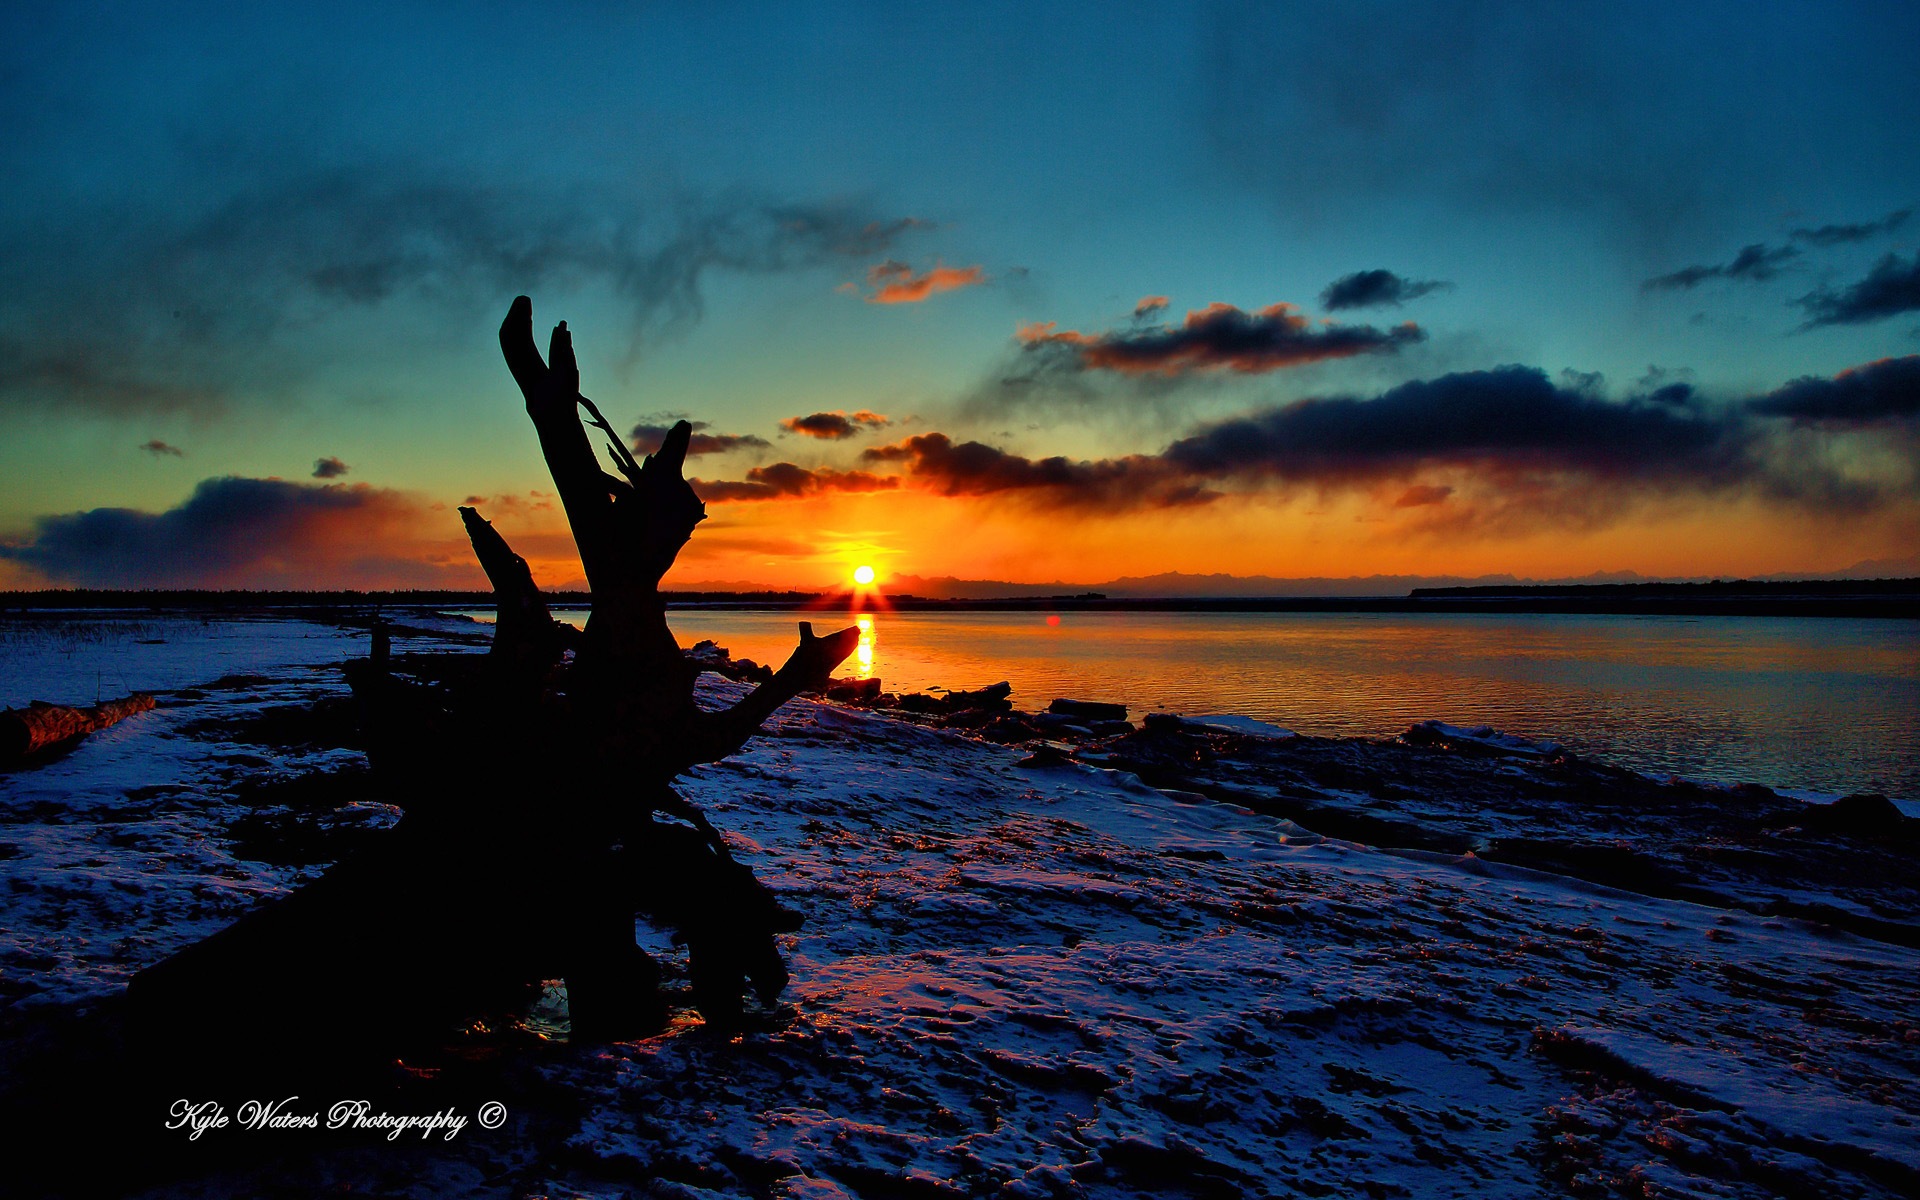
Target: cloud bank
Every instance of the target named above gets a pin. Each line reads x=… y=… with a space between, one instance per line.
x=237 y=532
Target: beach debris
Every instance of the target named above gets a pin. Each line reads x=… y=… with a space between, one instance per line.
x=539 y=812
x=41 y=727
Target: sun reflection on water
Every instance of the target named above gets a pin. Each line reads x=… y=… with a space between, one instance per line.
x=863 y=652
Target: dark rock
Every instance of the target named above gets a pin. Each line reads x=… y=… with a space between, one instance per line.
x=1867 y=814
x=1089 y=710
x=1011 y=729
x=1162 y=722
x=993 y=696
x=854 y=691
x=1048 y=754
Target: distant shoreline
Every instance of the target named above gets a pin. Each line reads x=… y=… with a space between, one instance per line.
x=1879 y=598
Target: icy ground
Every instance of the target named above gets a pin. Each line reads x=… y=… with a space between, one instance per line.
x=1058 y=981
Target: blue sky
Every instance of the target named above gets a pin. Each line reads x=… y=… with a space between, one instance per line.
x=239 y=239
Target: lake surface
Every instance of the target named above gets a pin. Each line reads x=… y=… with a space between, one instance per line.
x=1824 y=704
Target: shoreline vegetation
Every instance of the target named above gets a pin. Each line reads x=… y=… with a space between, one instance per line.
x=1885 y=598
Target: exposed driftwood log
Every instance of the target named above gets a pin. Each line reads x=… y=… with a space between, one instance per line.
x=527 y=641
x=533 y=786
x=41 y=726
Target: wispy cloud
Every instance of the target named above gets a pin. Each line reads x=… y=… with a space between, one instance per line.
x=897 y=283
x=1840 y=235
x=171 y=309
x=645 y=438
x=157 y=448
x=1756 y=264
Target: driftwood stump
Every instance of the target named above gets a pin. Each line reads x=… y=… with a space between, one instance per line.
x=535 y=780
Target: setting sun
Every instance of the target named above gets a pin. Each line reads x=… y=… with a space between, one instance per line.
x=863 y=575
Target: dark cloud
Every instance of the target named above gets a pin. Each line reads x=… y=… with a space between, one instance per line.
x=834 y=425
x=645 y=438
x=329 y=468
x=1840 y=235
x=257 y=533
x=975 y=469
x=787 y=481
x=1756 y=263
x=142 y=308
x=1521 y=450
x=1218 y=337
x=156 y=447
x=1150 y=306
x=1891 y=288
x=1374 y=289
x=1887 y=390
x=1509 y=418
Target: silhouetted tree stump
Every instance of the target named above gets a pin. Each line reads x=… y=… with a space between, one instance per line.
x=534 y=781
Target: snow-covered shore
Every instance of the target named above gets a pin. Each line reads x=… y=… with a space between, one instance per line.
x=1041 y=980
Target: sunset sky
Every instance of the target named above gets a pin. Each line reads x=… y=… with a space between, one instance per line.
x=1026 y=292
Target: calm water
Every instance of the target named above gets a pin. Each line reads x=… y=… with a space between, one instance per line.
x=1828 y=705
x=1831 y=705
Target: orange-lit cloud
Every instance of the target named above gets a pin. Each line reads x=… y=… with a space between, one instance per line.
x=939 y=464
x=1421 y=494
x=1151 y=306
x=785 y=480
x=1216 y=337
x=834 y=425
x=896 y=283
